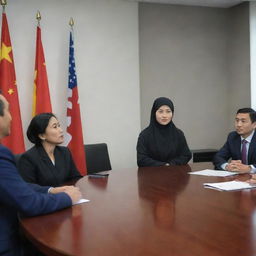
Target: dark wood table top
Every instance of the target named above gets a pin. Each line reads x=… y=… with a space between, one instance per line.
x=151 y=211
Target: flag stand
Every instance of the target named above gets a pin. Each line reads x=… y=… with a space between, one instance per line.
x=3 y=3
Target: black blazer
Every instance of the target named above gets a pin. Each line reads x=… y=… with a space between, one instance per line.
x=36 y=167
x=232 y=149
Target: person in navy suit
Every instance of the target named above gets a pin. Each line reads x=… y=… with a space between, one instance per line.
x=18 y=196
x=240 y=146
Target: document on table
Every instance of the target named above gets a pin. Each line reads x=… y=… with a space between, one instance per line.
x=82 y=201
x=229 y=185
x=215 y=173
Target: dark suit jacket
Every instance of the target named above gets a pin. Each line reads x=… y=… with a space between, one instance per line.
x=232 y=149
x=36 y=167
x=16 y=195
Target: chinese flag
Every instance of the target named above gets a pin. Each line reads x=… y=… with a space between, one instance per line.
x=8 y=86
x=74 y=134
x=41 y=95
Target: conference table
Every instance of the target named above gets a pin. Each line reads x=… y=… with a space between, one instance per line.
x=151 y=211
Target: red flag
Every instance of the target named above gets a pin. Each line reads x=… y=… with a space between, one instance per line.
x=74 y=125
x=9 y=89
x=41 y=95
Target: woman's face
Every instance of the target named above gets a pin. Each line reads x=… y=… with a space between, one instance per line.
x=53 y=132
x=164 y=115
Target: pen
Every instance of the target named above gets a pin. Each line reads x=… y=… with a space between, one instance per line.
x=98 y=175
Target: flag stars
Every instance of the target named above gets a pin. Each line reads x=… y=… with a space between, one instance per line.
x=10 y=91
x=5 y=53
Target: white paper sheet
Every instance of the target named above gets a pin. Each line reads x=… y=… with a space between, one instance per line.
x=208 y=172
x=229 y=185
x=82 y=201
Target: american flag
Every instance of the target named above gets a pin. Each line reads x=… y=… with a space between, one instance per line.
x=74 y=136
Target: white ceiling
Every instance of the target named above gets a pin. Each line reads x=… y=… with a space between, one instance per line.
x=209 y=3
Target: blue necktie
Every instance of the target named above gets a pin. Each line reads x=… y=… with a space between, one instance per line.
x=244 y=152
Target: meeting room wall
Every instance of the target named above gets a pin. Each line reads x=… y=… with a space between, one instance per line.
x=198 y=57
x=239 y=85
x=253 y=52
x=107 y=63
x=252 y=22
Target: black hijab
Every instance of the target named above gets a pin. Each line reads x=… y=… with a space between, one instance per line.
x=163 y=139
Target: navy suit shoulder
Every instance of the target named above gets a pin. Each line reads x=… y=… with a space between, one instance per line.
x=17 y=196
x=233 y=135
x=232 y=150
x=226 y=151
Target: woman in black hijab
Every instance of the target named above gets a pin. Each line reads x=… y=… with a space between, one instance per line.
x=161 y=143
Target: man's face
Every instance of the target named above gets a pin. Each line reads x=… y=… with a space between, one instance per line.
x=244 y=125
x=5 y=120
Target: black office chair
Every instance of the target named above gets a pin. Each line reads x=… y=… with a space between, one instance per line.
x=17 y=158
x=97 y=157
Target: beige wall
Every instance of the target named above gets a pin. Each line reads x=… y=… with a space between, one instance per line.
x=252 y=8
x=197 y=56
x=190 y=54
x=238 y=60
x=107 y=61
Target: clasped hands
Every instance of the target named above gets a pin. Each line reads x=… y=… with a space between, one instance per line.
x=237 y=166
x=73 y=192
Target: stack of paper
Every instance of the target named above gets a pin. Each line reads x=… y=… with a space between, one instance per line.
x=208 y=172
x=230 y=185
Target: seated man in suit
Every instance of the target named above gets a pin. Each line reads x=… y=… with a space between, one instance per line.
x=240 y=146
x=18 y=196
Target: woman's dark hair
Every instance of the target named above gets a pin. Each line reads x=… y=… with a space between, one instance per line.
x=38 y=126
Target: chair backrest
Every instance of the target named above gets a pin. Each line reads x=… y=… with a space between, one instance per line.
x=17 y=158
x=97 y=157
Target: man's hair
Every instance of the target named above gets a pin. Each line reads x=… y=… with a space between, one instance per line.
x=1 y=107
x=249 y=111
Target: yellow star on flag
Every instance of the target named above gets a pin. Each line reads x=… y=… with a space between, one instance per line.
x=10 y=91
x=5 y=53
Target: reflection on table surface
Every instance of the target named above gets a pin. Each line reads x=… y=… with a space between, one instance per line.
x=151 y=211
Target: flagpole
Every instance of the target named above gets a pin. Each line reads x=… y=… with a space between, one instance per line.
x=74 y=132
x=38 y=17
x=71 y=23
x=3 y=3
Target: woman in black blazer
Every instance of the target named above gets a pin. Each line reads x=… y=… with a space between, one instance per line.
x=47 y=163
